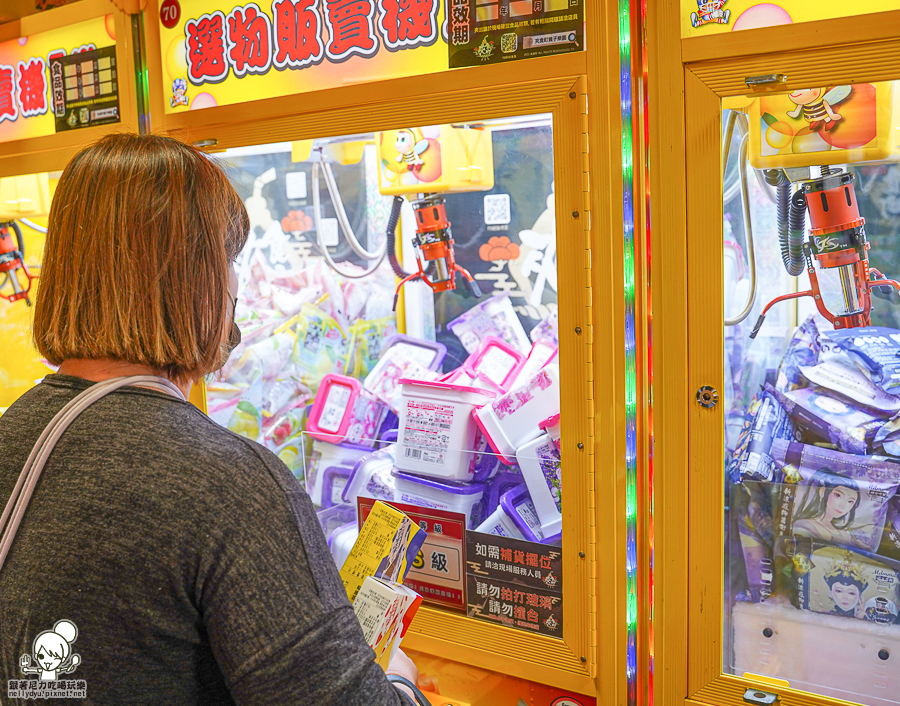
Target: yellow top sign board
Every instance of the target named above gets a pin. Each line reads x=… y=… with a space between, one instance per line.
x=699 y=17
x=220 y=54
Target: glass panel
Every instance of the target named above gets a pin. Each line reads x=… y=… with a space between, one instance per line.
x=448 y=403
x=812 y=393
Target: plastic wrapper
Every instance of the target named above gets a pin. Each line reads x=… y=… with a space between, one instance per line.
x=876 y=350
x=752 y=503
x=320 y=345
x=839 y=374
x=820 y=416
x=803 y=350
x=246 y=421
x=766 y=421
x=330 y=518
x=890 y=538
x=494 y=316
x=833 y=497
x=547 y=328
x=842 y=581
x=367 y=339
x=285 y=427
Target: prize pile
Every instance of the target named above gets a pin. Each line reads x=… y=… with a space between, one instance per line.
x=815 y=477
x=324 y=380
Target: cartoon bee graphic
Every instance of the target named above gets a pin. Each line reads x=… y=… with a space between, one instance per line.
x=815 y=104
x=410 y=145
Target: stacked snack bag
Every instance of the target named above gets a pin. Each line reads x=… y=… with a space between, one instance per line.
x=815 y=477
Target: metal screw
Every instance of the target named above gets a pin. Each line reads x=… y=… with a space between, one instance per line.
x=573 y=95
x=580 y=446
x=581 y=554
x=575 y=214
x=883 y=655
x=768 y=632
x=578 y=330
x=583 y=658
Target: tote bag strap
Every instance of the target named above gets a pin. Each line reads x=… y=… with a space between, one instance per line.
x=24 y=488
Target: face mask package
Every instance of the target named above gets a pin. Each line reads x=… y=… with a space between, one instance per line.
x=752 y=503
x=839 y=374
x=844 y=581
x=833 y=497
x=803 y=350
x=820 y=416
x=766 y=421
x=876 y=350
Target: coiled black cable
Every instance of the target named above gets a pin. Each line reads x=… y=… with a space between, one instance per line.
x=791 y=222
x=392 y=238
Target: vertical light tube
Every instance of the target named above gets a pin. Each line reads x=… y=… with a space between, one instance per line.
x=631 y=563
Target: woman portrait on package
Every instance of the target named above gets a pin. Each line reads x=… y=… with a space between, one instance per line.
x=828 y=508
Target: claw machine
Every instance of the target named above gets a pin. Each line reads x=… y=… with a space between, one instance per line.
x=429 y=255
x=779 y=572
x=66 y=79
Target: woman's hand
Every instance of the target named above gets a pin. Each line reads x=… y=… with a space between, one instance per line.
x=404 y=667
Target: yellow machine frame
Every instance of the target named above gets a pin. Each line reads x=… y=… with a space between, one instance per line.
x=587 y=154
x=52 y=152
x=689 y=77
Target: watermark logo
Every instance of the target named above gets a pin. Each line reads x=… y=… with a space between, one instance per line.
x=51 y=657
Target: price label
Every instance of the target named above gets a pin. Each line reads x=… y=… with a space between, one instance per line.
x=169 y=13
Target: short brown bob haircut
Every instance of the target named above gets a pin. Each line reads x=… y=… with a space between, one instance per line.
x=141 y=232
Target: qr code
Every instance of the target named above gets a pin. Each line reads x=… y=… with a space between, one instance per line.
x=509 y=42
x=496 y=210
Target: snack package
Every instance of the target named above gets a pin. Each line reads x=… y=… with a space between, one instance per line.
x=285 y=427
x=494 y=316
x=876 y=350
x=320 y=345
x=385 y=610
x=388 y=544
x=846 y=582
x=890 y=539
x=832 y=496
x=803 y=350
x=752 y=504
x=766 y=420
x=367 y=339
x=841 y=375
x=820 y=416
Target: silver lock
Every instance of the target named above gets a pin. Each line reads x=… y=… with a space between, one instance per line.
x=760 y=698
x=707 y=396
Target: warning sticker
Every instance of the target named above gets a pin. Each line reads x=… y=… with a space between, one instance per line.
x=426 y=435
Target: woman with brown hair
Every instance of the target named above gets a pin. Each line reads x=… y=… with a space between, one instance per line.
x=188 y=559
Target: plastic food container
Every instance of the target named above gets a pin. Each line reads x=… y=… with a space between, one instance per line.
x=334 y=480
x=512 y=420
x=493 y=317
x=541 y=469
x=500 y=484
x=355 y=414
x=371 y=477
x=437 y=433
x=495 y=360
x=465 y=498
x=543 y=351
x=551 y=426
x=428 y=354
x=341 y=542
x=500 y=524
x=325 y=455
x=392 y=367
x=517 y=505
